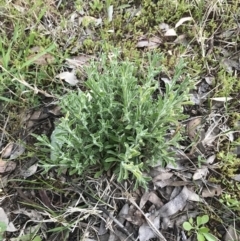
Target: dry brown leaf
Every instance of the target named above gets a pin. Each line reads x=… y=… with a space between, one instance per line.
x=29 y=119
x=181 y=39
x=183 y=20
x=4 y=219
x=163 y=183
x=154 y=199
x=164 y=26
x=176 y=204
x=211 y=159
x=123 y=212
x=17 y=151
x=3 y=181
x=103 y=229
x=232 y=234
x=211 y=191
x=144 y=199
x=7 y=166
x=145 y=232
x=30 y=171
x=229 y=65
x=210 y=80
x=170 y=32
x=163 y=176
x=136 y=218
x=211 y=133
x=179 y=183
x=79 y=61
x=178 y=165
x=151 y=197
x=151 y=43
x=192 y=126
x=236 y=177
x=7 y=150
x=69 y=77
x=42 y=60
x=200 y=173
x=32 y=214
x=192 y=196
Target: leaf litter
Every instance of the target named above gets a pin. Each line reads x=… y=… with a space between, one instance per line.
x=175 y=187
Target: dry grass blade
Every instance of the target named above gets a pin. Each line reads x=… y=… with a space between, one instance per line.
x=23 y=82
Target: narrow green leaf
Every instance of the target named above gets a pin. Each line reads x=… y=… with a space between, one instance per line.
x=209 y=237
x=111 y=159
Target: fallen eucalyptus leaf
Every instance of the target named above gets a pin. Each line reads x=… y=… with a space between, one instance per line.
x=200 y=173
x=7 y=166
x=69 y=77
x=7 y=150
x=170 y=32
x=182 y=20
x=176 y=204
x=17 y=151
x=145 y=231
x=4 y=219
x=231 y=234
x=211 y=191
x=30 y=171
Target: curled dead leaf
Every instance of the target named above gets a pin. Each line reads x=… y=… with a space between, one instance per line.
x=170 y=32
x=145 y=232
x=200 y=173
x=151 y=43
x=30 y=171
x=69 y=77
x=4 y=219
x=42 y=60
x=7 y=150
x=163 y=176
x=17 y=151
x=79 y=61
x=211 y=191
x=183 y=20
x=7 y=166
x=192 y=126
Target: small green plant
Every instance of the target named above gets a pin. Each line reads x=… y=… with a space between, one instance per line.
x=231 y=201
x=96 y=5
x=199 y=229
x=119 y=123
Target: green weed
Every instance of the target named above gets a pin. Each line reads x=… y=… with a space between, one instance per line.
x=118 y=124
x=199 y=229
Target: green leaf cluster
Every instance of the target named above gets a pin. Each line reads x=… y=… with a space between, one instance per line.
x=201 y=231
x=119 y=123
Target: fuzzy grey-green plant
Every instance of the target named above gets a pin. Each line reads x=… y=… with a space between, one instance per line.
x=119 y=123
